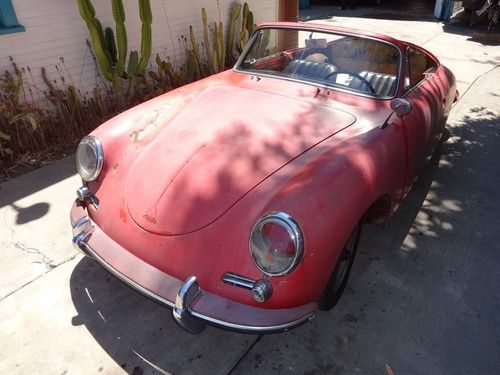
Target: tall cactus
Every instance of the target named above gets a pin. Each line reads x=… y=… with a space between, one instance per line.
x=192 y=66
x=244 y=32
x=235 y=13
x=111 y=56
x=121 y=35
x=206 y=42
x=109 y=37
x=132 y=72
x=146 y=18
x=250 y=24
x=222 y=49
x=100 y=31
x=196 y=51
x=87 y=13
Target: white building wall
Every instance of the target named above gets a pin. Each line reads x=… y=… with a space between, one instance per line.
x=54 y=30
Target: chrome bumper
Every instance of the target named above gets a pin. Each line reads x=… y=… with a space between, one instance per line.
x=193 y=308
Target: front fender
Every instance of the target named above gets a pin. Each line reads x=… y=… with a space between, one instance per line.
x=338 y=182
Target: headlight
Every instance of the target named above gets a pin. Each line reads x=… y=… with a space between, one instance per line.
x=89 y=158
x=276 y=243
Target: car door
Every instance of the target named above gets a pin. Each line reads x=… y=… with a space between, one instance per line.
x=422 y=122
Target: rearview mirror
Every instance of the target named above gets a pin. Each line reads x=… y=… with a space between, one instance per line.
x=401 y=106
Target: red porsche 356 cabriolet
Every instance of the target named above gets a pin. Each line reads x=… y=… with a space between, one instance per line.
x=237 y=200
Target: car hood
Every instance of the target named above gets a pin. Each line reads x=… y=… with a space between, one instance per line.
x=213 y=150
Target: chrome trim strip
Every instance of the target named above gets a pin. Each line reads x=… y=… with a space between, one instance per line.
x=79 y=239
x=214 y=321
x=188 y=292
x=78 y=224
x=237 y=280
x=89 y=251
x=253 y=329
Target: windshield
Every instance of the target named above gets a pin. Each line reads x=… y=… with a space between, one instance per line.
x=354 y=63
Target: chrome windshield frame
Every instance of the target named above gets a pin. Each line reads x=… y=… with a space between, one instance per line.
x=246 y=50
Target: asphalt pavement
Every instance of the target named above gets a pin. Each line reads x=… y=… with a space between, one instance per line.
x=423 y=297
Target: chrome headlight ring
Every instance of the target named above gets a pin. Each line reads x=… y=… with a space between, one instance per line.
x=89 y=158
x=262 y=250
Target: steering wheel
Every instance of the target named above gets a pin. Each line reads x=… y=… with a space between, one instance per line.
x=364 y=81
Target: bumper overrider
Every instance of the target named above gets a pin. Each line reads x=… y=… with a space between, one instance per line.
x=192 y=307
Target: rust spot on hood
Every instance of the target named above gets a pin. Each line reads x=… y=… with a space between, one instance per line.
x=147 y=125
x=123 y=215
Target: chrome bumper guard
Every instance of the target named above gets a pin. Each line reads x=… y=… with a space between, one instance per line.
x=187 y=296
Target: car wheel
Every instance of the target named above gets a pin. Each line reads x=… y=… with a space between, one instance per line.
x=340 y=274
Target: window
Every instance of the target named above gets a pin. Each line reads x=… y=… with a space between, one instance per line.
x=8 y=20
x=339 y=61
x=418 y=66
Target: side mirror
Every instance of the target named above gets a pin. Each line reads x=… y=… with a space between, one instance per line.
x=401 y=106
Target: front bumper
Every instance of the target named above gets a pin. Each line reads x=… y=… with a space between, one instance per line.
x=192 y=307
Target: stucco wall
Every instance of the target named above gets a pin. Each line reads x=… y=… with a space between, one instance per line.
x=54 y=29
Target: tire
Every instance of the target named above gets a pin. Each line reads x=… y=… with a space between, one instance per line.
x=445 y=135
x=338 y=280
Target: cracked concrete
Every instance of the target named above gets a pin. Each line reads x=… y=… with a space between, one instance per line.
x=423 y=296
x=34 y=220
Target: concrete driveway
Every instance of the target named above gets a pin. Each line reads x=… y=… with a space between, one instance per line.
x=423 y=298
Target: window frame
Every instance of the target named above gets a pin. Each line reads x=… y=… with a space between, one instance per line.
x=8 y=19
x=399 y=49
x=407 y=70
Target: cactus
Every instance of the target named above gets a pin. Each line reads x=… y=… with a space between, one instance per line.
x=165 y=74
x=133 y=64
x=121 y=35
x=244 y=32
x=147 y=19
x=206 y=42
x=196 y=51
x=192 y=66
x=235 y=13
x=264 y=43
x=220 y=42
x=250 y=24
x=167 y=68
x=86 y=9
x=218 y=55
x=112 y=57
x=87 y=13
x=215 y=65
x=109 y=37
x=100 y=31
x=132 y=72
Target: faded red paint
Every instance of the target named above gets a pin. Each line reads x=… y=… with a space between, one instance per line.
x=123 y=216
x=200 y=164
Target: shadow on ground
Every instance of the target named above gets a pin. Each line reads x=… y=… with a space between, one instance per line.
x=28 y=184
x=141 y=335
x=423 y=296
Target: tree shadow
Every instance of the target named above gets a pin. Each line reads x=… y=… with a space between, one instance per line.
x=423 y=291
x=28 y=184
x=30 y=213
x=141 y=335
